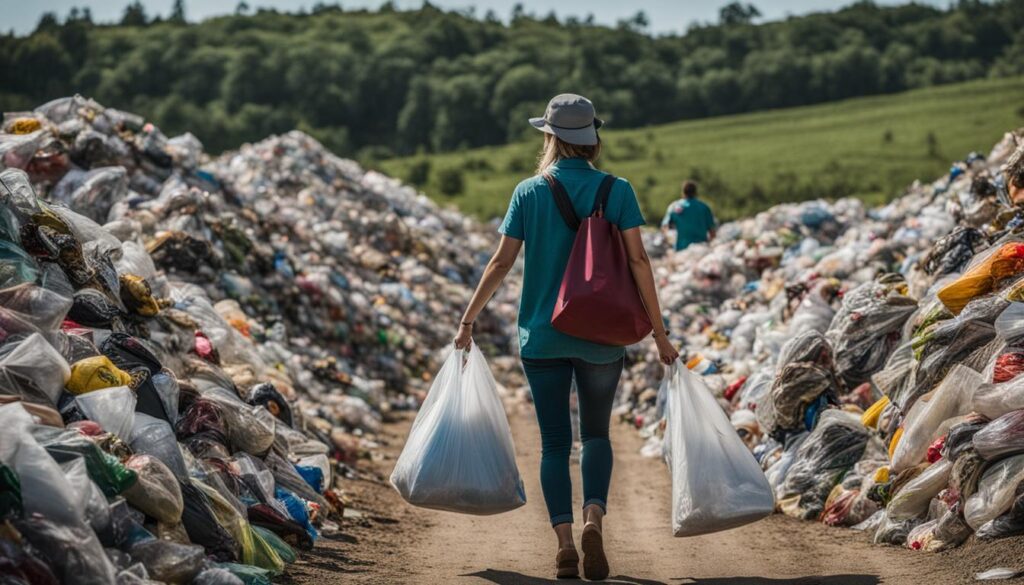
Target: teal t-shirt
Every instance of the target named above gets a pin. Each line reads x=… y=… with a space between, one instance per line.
x=533 y=218
x=692 y=219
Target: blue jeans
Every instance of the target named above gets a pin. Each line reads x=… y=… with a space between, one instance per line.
x=550 y=382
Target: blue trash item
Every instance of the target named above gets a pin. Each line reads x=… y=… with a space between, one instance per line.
x=815 y=216
x=296 y=509
x=459 y=456
x=314 y=476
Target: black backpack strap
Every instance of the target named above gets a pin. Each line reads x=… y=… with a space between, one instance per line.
x=562 y=201
x=603 y=191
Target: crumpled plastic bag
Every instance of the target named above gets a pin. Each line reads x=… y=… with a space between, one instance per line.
x=34 y=370
x=167 y=561
x=27 y=308
x=105 y=470
x=43 y=485
x=249 y=428
x=969 y=340
x=203 y=527
x=112 y=408
x=72 y=549
x=892 y=531
x=156 y=493
x=862 y=334
x=1002 y=437
x=996 y=491
x=54 y=521
x=806 y=373
x=912 y=500
x=1010 y=323
x=459 y=455
x=930 y=419
x=831 y=449
x=153 y=436
x=995 y=400
x=95 y=193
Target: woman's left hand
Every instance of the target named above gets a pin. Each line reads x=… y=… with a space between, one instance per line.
x=464 y=338
x=666 y=351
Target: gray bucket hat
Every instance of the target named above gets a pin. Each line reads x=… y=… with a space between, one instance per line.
x=571 y=118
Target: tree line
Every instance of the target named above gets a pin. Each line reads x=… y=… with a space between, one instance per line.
x=387 y=82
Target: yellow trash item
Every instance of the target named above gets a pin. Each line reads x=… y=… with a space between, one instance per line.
x=870 y=416
x=96 y=373
x=137 y=295
x=895 y=441
x=882 y=474
x=25 y=126
x=1007 y=261
x=790 y=506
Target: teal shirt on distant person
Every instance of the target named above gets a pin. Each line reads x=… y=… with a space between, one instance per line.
x=533 y=218
x=692 y=219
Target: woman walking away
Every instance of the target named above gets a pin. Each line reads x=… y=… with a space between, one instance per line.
x=551 y=359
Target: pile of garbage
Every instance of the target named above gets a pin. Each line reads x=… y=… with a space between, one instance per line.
x=871 y=359
x=195 y=352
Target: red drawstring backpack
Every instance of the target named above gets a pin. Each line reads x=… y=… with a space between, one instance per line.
x=598 y=300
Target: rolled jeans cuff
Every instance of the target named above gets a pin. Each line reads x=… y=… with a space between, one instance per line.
x=599 y=502
x=561 y=519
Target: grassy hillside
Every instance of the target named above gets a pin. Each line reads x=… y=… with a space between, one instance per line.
x=869 y=147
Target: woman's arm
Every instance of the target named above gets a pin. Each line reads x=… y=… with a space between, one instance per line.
x=640 y=266
x=497 y=269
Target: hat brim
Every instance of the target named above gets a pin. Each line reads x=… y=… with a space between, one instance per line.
x=586 y=136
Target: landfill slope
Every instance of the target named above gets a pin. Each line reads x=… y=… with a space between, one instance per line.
x=196 y=353
x=870 y=359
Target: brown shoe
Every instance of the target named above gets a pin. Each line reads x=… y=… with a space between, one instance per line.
x=567 y=564
x=595 y=563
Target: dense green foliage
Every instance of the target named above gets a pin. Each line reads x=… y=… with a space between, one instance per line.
x=400 y=82
x=870 y=148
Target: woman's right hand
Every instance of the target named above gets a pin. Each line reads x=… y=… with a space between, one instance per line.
x=666 y=350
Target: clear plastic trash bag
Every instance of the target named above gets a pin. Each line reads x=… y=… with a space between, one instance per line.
x=217 y=576
x=1001 y=437
x=996 y=491
x=156 y=493
x=928 y=420
x=43 y=485
x=912 y=500
x=111 y=408
x=1010 y=323
x=54 y=521
x=42 y=309
x=33 y=369
x=995 y=400
x=459 y=455
x=716 y=482
x=167 y=561
x=153 y=436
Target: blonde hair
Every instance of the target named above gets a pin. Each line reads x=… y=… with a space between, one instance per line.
x=555 y=149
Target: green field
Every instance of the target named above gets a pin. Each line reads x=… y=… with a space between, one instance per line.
x=870 y=148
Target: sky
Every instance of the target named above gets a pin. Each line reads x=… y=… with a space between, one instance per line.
x=665 y=16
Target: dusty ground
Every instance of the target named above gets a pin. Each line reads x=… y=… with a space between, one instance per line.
x=391 y=542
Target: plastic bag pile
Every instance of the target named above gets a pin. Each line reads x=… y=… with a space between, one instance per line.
x=195 y=351
x=871 y=359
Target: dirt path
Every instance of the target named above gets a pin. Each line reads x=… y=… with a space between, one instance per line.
x=391 y=542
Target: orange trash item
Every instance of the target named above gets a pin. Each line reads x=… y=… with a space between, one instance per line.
x=981 y=280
